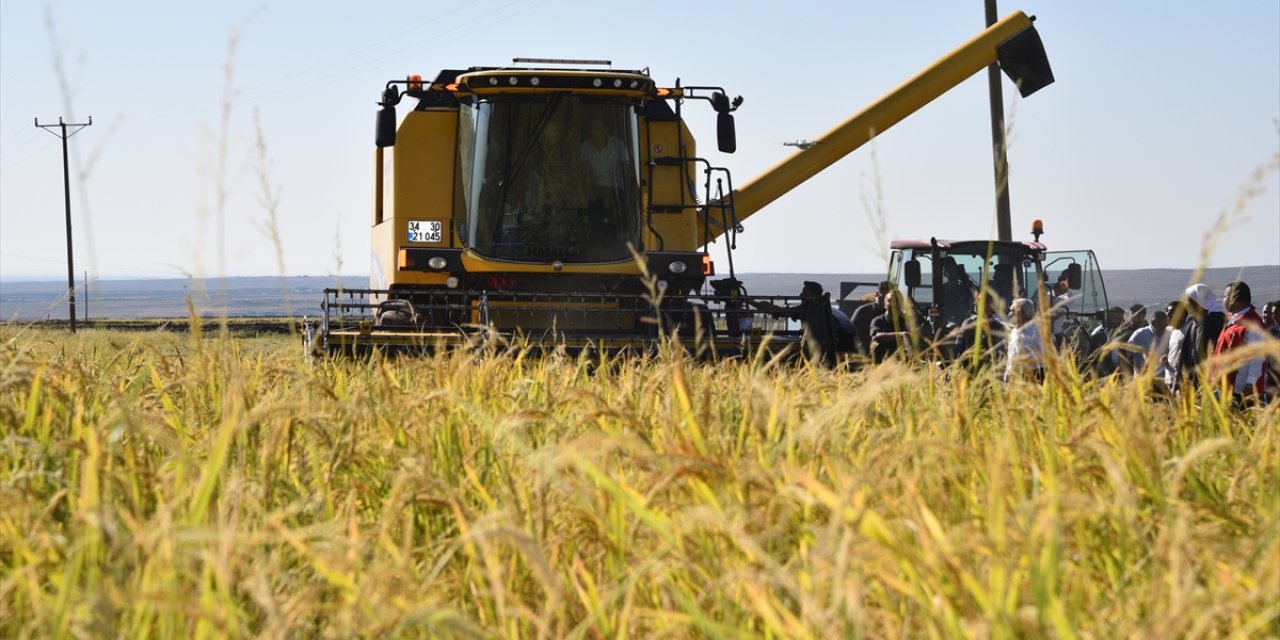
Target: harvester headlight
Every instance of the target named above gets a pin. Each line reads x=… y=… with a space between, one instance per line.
x=452 y=282
x=662 y=285
x=437 y=262
x=493 y=82
x=596 y=82
x=535 y=81
x=617 y=83
x=512 y=81
x=635 y=83
x=678 y=267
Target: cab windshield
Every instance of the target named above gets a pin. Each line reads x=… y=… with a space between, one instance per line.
x=550 y=177
x=1006 y=275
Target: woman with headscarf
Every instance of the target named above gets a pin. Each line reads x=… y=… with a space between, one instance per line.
x=1205 y=319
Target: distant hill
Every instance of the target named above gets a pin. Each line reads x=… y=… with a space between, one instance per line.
x=167 y=298
x=298 y=296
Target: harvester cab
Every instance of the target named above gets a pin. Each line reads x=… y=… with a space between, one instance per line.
x=564 y=202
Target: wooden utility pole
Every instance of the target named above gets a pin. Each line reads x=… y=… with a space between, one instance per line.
x=1004 y=226
x=66 y=195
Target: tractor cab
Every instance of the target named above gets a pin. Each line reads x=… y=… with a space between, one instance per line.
x=943 y=278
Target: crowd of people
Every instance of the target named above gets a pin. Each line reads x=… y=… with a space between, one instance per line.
x=1191 y=337
x=1196 y=335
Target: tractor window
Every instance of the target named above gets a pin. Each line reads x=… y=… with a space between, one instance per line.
x=552 y=177
x=961 y=280
x=1091 y=297
x=923 y=294
x=965 y=274
x=1012 y=276
x=895 y=268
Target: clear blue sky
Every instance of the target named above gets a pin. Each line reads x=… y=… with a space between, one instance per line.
x=1161 y=115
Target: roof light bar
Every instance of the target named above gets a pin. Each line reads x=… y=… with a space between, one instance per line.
x=608 y=63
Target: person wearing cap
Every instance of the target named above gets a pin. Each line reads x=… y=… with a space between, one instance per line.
x=821 y=329
x=1244 y=327
x=1204 y=321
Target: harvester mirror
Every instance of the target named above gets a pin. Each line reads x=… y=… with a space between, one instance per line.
x=386 y=135
x=1075 y=276
x=726 y=133
x=911 y=273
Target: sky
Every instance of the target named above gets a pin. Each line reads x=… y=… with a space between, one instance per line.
x=216 y=124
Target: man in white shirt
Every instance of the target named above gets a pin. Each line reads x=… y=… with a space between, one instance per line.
x=1025 y=346
x=1152 y=342
x=1173 y=356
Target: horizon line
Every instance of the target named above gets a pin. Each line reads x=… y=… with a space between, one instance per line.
x=116 y=277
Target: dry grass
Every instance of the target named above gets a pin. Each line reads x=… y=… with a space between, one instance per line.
x=173 y=486
x=164 y=485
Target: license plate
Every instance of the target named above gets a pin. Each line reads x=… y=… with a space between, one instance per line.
x=426 y=231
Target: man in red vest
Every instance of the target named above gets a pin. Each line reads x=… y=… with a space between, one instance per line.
x=1243 y=327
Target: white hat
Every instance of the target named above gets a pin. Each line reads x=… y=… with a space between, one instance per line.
x=1201 y=294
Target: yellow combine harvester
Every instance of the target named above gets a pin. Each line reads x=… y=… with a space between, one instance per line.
x=564 y=203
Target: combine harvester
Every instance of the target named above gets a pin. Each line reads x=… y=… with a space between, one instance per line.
x=563 y=203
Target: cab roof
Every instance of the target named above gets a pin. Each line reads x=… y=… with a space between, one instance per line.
x=970 y=246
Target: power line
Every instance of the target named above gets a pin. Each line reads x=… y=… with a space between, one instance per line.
x=175 y=272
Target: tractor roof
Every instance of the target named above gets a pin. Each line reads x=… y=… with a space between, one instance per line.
x=970 y=246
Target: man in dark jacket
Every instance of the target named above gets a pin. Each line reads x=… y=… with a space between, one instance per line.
x=1106 y=362
x=980 y=339
x=891 y=331
x=821 y=329
x=863 y=315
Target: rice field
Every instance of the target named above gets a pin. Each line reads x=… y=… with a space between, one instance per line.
x=170 y=485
